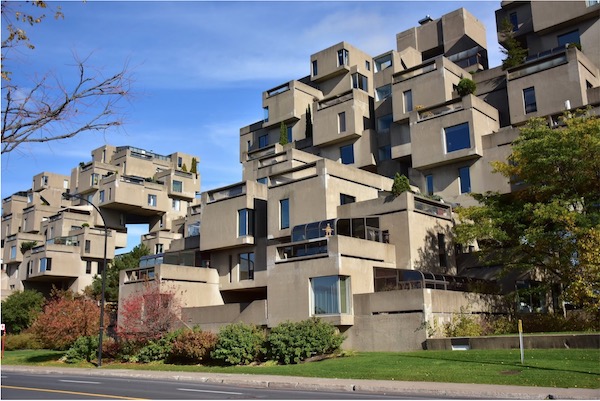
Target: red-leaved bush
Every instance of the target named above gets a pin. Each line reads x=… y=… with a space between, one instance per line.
x=193 y=346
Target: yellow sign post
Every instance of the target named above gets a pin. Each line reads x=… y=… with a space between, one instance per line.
x=521 y=341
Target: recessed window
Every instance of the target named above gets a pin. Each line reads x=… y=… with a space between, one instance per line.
x=383 y=92
x=245 y=222
x=465 y=180
x=265 y=114
x=408 y=101
x=44 y=180
x=315 y=69
x=347 y=154
x=45 y=264
x=330 y=295
x=88 y=267
x=514 y=21
x=385 y=152
x=343 y=57
x=345 y=199
x=262 y=180
x=289 y=134
x=359 y=81
x=152 y=200
x=177 y=186
x=65 y=184
x=342 y=121
x=158 y=248
x=384 y=123
x=429 y=184
x=368 y=65
x=101 y=196
x=87 y=246
x=13 y=252
x=457 y=137
x=176 y=205
x=179 y=162
x=382 y=63
x=246 y=270
x=569 y=37
x=529 y=100
x=95 y=178
x=284 y=213
x=263 y=141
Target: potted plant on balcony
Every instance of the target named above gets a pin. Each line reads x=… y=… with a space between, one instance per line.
x=466 y=87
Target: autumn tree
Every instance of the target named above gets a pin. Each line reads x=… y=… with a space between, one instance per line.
x=45 y=109
x=128 y=260
x=20 y=309
x=66 y=317
x=148 y=313
x=552 y=223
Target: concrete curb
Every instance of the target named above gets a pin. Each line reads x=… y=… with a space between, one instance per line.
x=459 y=390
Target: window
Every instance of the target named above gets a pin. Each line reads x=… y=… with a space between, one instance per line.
x=44 y=180
x=158 y=248
x=176 y=205
x=246 y=271
x=342 y=121
x=457 y=137
x=589 y=3
x=345 y=199
x=359 y=81
x=265 y=114
x=65 y=184
x=367 y=65
x=384 y=123
x=347 y=154
x=245 y=222
x=177 y=186
x=569 y=37
x=408 y=102
x=90 y=198
x=383 y=62
x=330 y=295
x=514 y=21
x=529 y=100
x=88 y=246
x=429 y=184
x=152 y=200
x=13 y=252
x=263 y=141
x=465 y=180
x=343 y=57
x=262 y=180
x=385 y=152
x=383 y=92
x=45 y=264
x=289 y=134
x=88 y=267
x=101 y=196
x=443 y=256
x=284 y=213
x=315 y=69
x=179 y=162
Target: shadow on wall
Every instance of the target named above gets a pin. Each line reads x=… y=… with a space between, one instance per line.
x=437 y=253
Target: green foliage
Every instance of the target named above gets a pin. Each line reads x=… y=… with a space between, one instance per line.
x=120 y=262
x=283 y=137
x=184 y=167
x=400 y=185
x=21 y=341
x=20 y=309
x=194 y=167
x=514 y=52
x=27 y=245
x=463 y=324
x=309 y=126
x=552 y=224
x=466 y=87
x=155 y=350
x=294 y=342
x=193 y=346
x=84 y=349
x=239 y=344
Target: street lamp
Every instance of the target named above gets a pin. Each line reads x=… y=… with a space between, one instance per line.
x=69 y=196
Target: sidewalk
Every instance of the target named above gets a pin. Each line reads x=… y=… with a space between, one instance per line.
x=457 y=390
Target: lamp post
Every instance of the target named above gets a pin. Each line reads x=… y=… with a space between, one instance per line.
x=69 y=196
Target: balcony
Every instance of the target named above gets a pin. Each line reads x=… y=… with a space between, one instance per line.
x=226 y=193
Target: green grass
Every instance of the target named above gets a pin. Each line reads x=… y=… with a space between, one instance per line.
x=548 y=368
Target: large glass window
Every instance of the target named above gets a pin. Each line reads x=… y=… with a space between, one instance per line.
x=315 y=70
x=284 y=213
x=246 y=271
x=289 y=134
x=45 y=264
x=569 y=37
x=457 y=137
x=385 y=152
x=429 y=184
x=95 y=178
x=245 y=222
x=384 y=123
x=529 y=100
x=263 y=141
x=408 y=101
x=347 y=154
x=343 y=58
x=383 y=92
x=330 y=295
x=342 y=121
x=151 y=200
x=465 y=180
x=13 y=252
x=177 y=186
x=359 y=81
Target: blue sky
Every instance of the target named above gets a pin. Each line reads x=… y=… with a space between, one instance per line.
x=200 y=68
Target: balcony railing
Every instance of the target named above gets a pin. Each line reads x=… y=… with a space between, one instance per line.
x=336 y=100
x=415 y=72
x=139 y=275
x=306 y=248
x=227 y=193
x=539 y=63
x=70 y=241
x=278 y=90
x=432 y=209
x=439 y=111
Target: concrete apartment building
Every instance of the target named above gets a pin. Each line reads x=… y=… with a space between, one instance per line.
x=312 y=229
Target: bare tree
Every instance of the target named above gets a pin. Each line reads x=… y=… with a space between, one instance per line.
x=47 y=109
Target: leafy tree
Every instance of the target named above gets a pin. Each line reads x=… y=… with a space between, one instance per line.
x=147 y=314
x=20 y=309
x=44 y=109
x=512 y=49
x=194 y=166
x=309 y=126
x=283 y=137
x=552 y=224
x=120 y=262
x=400 y=185
x=66 y=317
x=239 y=344
x=466 y=87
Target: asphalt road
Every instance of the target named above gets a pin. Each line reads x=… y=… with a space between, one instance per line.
x=17 y=386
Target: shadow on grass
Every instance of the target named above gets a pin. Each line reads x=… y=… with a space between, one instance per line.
x=503 y=364
x=50 y=357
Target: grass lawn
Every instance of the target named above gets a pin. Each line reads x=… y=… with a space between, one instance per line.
x=548 y=368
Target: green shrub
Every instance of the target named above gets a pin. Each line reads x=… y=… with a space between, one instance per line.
x=400 y=185
x=83 y=349
x=293 y=342
x=463 y=325
x=20 y=309
x=193 y=346
x=466 y=87
x=156 y=350
x=239 y=344
x=14 y=342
